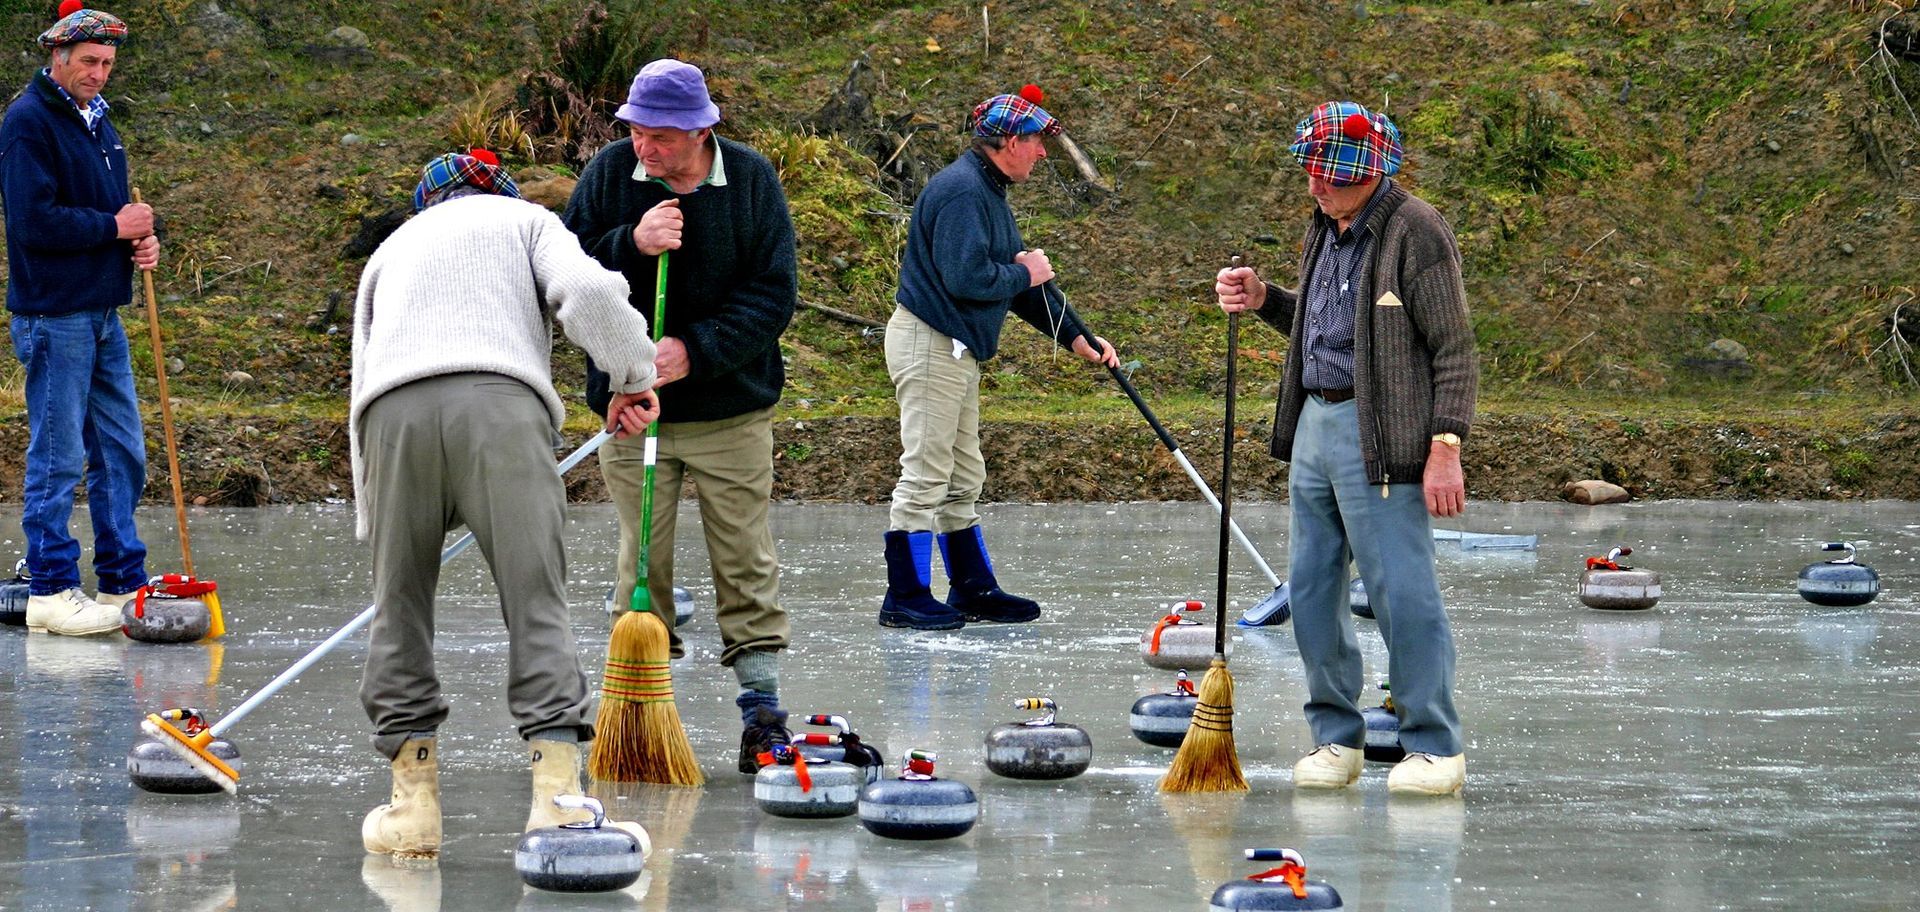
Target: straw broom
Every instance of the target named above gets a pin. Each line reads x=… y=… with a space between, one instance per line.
x=640 y=735
x=1207 y=761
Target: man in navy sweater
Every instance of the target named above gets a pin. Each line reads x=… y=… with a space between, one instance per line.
x=712 y=211
x=964 y=268
x=73 y=241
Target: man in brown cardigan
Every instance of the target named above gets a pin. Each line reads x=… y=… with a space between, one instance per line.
x=1378 y=396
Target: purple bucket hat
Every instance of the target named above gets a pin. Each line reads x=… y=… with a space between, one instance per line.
x=669 y=93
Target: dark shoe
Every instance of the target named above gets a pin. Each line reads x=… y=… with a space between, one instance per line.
x=910 y=601
x=972 y=590
x=768 y=728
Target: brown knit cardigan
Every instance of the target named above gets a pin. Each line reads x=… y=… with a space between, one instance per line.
x=1415 y=372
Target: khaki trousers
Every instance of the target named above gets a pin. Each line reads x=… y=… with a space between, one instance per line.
x=473 y=449
x=730 y=463
x=941 y=469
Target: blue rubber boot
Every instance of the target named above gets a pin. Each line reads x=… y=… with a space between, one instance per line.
x=910 y=601
x=973 y=591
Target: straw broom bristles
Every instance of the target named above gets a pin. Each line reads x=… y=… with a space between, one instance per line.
x=640 y=735
x=1207 y=761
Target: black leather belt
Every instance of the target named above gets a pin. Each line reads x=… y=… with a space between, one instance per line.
x=1333 y=396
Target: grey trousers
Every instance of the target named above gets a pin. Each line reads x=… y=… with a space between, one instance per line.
x=941 y=470
x=1336 y=512
x=470 y=449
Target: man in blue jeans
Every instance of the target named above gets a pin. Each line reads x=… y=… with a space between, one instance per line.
x=73 y=241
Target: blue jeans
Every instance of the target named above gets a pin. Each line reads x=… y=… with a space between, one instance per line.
x=1337 y=513
x=82 y=415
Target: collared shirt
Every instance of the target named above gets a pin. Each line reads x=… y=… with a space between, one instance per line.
x=91 y=112
x=1329 y=299
x=716 y=177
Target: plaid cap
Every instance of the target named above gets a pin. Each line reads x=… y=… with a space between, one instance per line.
x=480 y=170
x=1010 y=115
x=84 y=25
x=1345 y=144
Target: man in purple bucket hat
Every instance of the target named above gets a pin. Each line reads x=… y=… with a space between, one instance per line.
x=710 y=211
x=1378 y=394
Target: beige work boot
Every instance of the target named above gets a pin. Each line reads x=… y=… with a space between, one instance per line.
x=556 y=771
x=70 y=613
x=1329 y=766
x=1427 y=774
x=116 y=602
x=408 y=826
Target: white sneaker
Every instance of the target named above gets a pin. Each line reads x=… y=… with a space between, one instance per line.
x=116 y=602
x=1329 y=766
x=70 y=613
x=1427 y=774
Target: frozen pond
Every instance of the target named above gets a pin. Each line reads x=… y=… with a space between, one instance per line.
x=1734 y=748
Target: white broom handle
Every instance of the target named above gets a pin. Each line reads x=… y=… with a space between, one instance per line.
x=363 y=618
x=1238 y=535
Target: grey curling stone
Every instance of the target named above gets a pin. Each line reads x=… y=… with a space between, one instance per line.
x=835 y=790
x=1620 y=590
x=918 y=807
x=1357 y=600
x=1162 y=719
x=1039 y=749
x=682 y=605
x=590 y=857
x=1181 y=646
x=162 y=618
x=13 y=596
x=1839 y=583
x=1264 y=895
x=1383 y=734
x=155 y=768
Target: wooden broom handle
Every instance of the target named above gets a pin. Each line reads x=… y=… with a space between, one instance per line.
x=166 y=414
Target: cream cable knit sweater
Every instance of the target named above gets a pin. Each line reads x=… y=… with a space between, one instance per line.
x=475 y=284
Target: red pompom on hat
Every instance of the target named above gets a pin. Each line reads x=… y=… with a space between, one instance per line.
x=69 y=7
x=485 y=157
x=1032 y=93
x=1356 y=126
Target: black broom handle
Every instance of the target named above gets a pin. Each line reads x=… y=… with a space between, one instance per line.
x=1226 y=488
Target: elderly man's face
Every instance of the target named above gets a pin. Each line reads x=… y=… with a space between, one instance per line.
x=669 y=153
x=85 y=70
x=1019 y=156
x=1339 y=203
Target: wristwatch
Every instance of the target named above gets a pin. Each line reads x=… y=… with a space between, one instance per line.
x=1450 y=439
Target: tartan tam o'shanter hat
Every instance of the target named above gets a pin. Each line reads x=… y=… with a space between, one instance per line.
x=1345 y=144
x=478 y=168
x=1013 y=115
x=79 y=24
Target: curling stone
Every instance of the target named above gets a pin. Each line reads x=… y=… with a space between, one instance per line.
x=1039 y=748
x=682 y=605
x=590 y=857
x=844 y=745
x=156 y=768
x=1161 y=719
x=917 y=805
x=1839 y=583
x=789 y=785
x=1383 y=731
x=1607 y=584
x=14 y=594
x=169 y=609
x=1174 y=642
x=1283 y=888
x=1357 y=600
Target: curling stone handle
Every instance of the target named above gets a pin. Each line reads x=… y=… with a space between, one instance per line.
x=1274 y=855
x=1840 y=546
x=1034 y=703
x=813 y=738
x=1619 y=552
x=586 y=803
x=824 y=719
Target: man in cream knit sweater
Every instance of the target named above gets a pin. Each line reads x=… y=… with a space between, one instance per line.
x=452 y=422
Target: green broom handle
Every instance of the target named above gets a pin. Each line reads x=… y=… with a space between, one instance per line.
x=642 y=600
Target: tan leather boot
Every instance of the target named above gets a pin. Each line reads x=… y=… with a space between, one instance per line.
x=408 y=826
x=556 y=771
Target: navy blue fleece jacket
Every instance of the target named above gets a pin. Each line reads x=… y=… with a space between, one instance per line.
x=61 y=184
